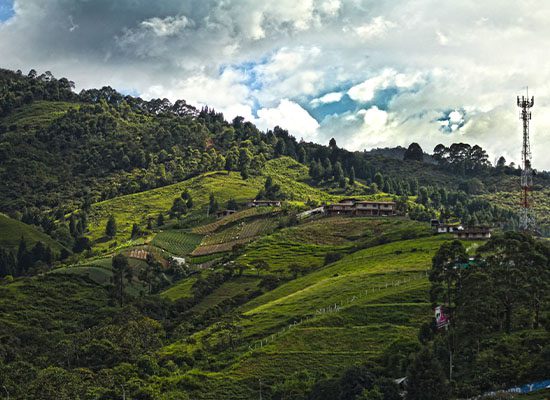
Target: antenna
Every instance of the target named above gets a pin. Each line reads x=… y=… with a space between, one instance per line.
x=527 y=219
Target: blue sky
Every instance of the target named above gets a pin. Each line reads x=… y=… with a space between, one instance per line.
x=6 y=9
x=369 y=73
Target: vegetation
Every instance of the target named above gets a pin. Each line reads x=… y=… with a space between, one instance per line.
x=118 y=279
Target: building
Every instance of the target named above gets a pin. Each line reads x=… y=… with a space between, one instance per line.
x=224 y=213
x=344 y=207
x=375 y=208
x=361 y=208
x=446 y=228
x=264 y=203
x=476 y=232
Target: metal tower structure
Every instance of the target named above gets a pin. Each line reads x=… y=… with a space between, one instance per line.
x=527 y=219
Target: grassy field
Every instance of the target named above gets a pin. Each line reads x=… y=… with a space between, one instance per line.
x=177 y=242
x=138 y=207
x=38 y=114
x=307 y=243
x=11 y=232
x=228 y=290
x=182 y=289
x=341 y=314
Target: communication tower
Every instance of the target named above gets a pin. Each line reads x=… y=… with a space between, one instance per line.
x=526 y=218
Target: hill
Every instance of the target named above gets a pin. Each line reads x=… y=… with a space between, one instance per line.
x=12 y=230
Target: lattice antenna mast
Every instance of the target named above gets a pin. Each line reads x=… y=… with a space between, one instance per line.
x=527 y=220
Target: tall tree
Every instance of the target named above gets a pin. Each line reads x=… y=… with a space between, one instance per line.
x=122 y=274
x=111 y=227
x=426 y=379
x=414 y=152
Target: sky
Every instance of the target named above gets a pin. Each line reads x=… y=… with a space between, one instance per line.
x=368 y=73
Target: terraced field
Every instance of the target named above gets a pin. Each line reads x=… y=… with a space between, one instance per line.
x=246 y=213
x=308 y=243
x=344 y=313
x=242 y=232
x=177 y=242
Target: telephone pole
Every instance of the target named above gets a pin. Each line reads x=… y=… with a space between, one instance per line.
x=526 y=218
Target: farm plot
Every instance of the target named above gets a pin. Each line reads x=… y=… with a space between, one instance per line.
x=177 y=242
x=243 y=232
x=214 y=226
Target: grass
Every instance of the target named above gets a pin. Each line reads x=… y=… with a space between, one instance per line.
x=177 y=242
x=367 y=323
x=228 y=290
x=11 y=231
x=38 y=114
x=308 y=243
x=139 y=207
x=182 y=289
x=242 y=232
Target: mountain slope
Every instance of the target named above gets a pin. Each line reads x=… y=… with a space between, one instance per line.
x=11 y=232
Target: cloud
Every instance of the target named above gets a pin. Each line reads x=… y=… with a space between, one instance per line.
x=377 y=27
x=417 y=62
x=291 y=116
x=168 y=26
x=328 y=98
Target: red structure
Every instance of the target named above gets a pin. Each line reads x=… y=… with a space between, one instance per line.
x=527 y=220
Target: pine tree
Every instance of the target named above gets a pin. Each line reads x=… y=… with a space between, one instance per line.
x=160 y=219
x=111 y=227
x=352 y=176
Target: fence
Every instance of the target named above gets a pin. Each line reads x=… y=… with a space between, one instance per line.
x=336 y=307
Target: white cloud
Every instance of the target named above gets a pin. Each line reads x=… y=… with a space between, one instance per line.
x=290 y=116
x=239 y=55
x=377 y=27
x=166 y=26
x=328 y=98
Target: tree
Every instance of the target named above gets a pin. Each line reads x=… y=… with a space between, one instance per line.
x=352 y=176
x=232 y=204
x=426 y=379
x=423 y=197
x=212 y=204
x=446 y=272
x=414 y=152
x=160 y=219
x=501 y=163
x=111 y=227
x=332 y=143
x=280 y=148
x=260 y=265
x=136 y=231
x=379 y=180
x=122 y=274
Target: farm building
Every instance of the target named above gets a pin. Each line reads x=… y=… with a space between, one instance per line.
x=361 y=208
x=476 y=232
x=264 y=203
x=446 y=228
x=224 y=213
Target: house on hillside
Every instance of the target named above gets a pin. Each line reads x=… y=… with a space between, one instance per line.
x=224 y=213
x=343 y=207
x=264 y=203
x=446 y=228
x=476 y=232
x=375 y=208
x=361 y=208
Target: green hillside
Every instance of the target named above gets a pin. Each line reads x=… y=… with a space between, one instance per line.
x=171 y=302
x=11 y=232
x=139 y=207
